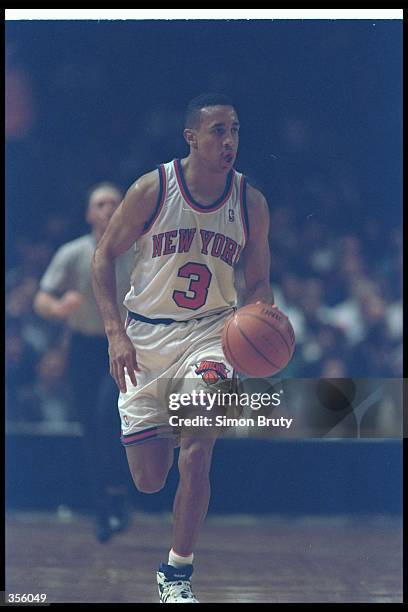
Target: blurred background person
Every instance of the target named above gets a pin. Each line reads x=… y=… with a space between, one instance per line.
x=65 y=294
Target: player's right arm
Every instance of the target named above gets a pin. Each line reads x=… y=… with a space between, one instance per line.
x=125 y=227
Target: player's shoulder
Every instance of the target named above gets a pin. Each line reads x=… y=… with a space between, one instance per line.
x=147 y=186
x=255 y=199
x=257 y=211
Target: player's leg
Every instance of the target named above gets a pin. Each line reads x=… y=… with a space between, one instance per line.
x=204 y=357
x=142 y=410
x=203 y=362
x=189 y=510
x=193 y=492
x=150 y=463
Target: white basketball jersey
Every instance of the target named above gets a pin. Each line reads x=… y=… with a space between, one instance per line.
x=185 y=258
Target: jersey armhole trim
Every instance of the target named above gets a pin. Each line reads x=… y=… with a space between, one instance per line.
x=243 y=206
x=160 y=200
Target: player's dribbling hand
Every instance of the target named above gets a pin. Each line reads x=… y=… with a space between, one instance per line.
x=122 y=355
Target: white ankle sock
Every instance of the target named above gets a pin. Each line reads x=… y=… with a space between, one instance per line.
x=178 y=560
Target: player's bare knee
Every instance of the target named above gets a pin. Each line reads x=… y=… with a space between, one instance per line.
x=147 y=483
x=149 y=465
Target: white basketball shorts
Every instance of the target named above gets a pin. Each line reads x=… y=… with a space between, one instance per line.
x=174 y=358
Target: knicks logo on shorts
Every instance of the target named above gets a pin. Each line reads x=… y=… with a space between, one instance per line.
x=212 y=371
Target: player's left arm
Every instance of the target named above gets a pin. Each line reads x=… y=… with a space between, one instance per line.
x=256 y=258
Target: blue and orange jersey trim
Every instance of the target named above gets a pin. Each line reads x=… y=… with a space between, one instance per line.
x=189 y=198
x=147 y=434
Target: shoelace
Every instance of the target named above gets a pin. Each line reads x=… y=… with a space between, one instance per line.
x=178 y=589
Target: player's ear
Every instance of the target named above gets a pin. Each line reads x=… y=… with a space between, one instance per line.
x=190 y=137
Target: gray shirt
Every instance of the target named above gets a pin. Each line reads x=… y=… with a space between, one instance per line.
x=70 y=270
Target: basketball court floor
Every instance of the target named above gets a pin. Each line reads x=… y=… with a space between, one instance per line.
x=239 y=558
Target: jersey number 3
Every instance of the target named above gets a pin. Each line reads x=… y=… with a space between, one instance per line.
x=200 y=279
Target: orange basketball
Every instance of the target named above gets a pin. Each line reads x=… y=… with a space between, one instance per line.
x=258 y=340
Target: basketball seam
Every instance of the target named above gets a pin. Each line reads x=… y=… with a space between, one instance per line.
x=257 y=350
x=250 y=314
x=227 y=345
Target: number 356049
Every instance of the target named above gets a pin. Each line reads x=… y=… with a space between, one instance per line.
x=26 y=597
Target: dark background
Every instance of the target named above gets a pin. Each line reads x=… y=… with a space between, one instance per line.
x=319 y=101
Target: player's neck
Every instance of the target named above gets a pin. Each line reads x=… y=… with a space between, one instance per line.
x=202 y=182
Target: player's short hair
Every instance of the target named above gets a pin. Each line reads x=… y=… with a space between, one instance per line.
x=193 y=113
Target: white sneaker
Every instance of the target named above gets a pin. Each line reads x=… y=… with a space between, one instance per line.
x=174 y=584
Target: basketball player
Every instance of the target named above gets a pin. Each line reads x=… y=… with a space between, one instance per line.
x=192 y=220
x=66 y=294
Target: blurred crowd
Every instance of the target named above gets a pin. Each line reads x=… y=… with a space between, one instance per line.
x=343 y=294
x=36 y=349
